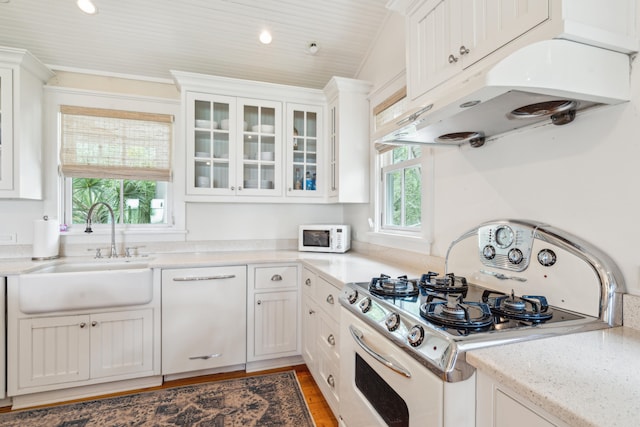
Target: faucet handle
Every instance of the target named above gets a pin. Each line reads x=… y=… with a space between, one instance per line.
x=127 y=250
x=98 y=252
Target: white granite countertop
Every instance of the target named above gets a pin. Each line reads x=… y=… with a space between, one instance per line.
x=585 y=379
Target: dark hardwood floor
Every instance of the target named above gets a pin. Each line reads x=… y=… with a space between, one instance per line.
x=318 y=406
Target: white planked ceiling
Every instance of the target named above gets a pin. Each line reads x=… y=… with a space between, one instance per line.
x=220 y=37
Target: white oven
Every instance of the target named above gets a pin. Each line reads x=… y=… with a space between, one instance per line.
x=382 y=385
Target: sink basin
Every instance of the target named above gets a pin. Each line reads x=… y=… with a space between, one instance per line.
x=80 y=285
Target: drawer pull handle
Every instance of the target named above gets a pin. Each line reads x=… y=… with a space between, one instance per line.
x=330 y=299
x=307 y=282
x=331 y=339
x=331 y=381
x=199 y=278
x=206 y=356
x=276 y=278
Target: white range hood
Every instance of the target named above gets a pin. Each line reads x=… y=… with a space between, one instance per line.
x=554 y=78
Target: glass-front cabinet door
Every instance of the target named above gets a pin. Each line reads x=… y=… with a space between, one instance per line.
x=260 y=149
x=6 y=129
x=304 y=125
x=211 y=126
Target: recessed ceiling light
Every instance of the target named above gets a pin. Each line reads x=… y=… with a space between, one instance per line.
x=265 y=37
x=87 y=7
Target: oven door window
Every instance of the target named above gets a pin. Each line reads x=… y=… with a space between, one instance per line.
x=389 y=405
x=316 y=238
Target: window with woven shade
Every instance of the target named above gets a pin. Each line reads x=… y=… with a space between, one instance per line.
x=122 y=158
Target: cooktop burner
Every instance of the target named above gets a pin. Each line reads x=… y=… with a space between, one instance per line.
x=401 y=287
x=449 y=283
x=452 y=312
x=529 y=308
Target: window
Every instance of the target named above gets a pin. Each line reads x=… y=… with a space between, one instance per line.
x=118 y=157
x=401 y=197
x=400 y=192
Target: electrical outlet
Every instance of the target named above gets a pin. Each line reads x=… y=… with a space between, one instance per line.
x=8 y=239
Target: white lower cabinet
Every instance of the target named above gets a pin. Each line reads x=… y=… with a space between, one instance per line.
x=499 y=406
x=320 y=334
x=71 y=349
x=273 y=313
x=203 y=318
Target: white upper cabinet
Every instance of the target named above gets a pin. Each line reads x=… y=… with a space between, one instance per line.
x=448 y=37
x=348 y=140
x=250 y=141
x=21 y=80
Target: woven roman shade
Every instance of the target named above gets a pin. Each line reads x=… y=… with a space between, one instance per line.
x=102 y=143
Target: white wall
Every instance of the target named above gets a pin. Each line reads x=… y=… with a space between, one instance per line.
x=583 y=177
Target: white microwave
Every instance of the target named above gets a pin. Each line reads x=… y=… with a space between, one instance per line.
x=324 y=238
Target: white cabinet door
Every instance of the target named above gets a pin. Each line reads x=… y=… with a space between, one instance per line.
x=275 y=323
x=304 y=172
x=433 y=31
x=121 y=343
x=53 y=350
x=203 y=318
x=490 y=24
x=259 y=149
x=211 y=144
x=309 y=332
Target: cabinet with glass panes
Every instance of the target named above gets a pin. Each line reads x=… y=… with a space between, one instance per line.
x=211 y=129
x=304 y=177
x=261 y=146
x=232 y=145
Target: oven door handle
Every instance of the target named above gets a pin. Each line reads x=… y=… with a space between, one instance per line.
x=358 y=336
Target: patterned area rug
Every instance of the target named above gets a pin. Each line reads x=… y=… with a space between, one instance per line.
x=264 y=400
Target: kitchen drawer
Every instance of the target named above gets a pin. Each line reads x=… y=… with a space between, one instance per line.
x=329 y=381
x=327 y=296
x=328 y=335
x=276 y=277
x=309 y=283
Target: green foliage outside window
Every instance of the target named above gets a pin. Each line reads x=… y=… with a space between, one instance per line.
x=130 y=200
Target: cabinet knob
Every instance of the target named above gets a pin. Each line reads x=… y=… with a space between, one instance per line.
x=330 y=299
x=259 y=302
x=311 y=311
x=94 y=324
x=83 y=325
x=331 y=381
x=464 y=50
x=307 y=282
x=233 y=187
x=452 y=59
x=331 y=340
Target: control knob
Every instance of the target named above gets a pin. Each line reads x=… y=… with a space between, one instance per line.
x=365 y=304
x=392 y=321
x=515 y=256
x=416 y=336
x=547 y=257
x=489 y=252
x=352 y=296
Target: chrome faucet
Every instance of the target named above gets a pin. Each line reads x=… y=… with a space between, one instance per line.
x=114 y=252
